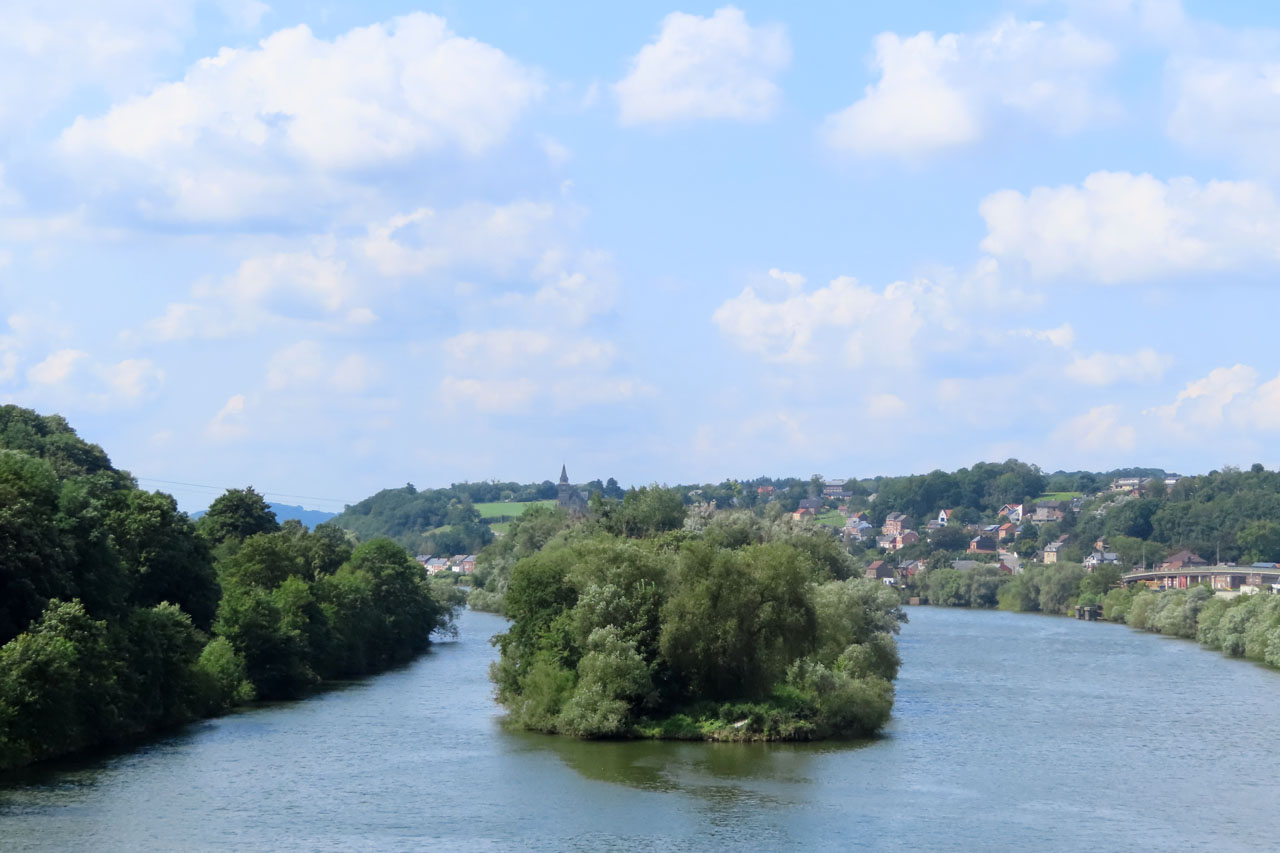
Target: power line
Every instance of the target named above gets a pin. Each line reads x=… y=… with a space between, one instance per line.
x=265 y=494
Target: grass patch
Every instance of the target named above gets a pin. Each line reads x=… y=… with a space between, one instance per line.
x=497 y=509
x=1059 y=496
x=831 y=518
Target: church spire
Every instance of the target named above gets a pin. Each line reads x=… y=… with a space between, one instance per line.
x=564 y=474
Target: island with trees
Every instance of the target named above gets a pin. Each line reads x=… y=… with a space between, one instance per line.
x=639 y=622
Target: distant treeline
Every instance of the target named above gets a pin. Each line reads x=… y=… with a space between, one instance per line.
x=119 y=615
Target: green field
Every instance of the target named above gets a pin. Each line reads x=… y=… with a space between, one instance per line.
x=497 y=509
x=1059 y=496
x=831 y=518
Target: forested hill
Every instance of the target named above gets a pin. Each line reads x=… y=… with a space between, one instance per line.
x=119 y=615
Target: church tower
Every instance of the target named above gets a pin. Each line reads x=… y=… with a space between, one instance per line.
x=563 y=490
x=568 y=498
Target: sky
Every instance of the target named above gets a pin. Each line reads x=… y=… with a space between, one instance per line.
x=329 y=248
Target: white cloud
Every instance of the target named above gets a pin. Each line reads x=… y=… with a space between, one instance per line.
x=49 y=50
x=1062 y=336
x=1105 y=368
x=307 y=365
x=57 y=368
x=246 y=132
x=228 y=423
x=309 y=286
x=1227 y=106
x=1120 y=227
x=856 y=321
x=504 y=349
x=719 y=67
x=1203 y=402
x=131 y=379
x=496 y=237
x=938 y=92
x=1102 y=428
x=495 y=396
x=886 y=406
x=245 y=14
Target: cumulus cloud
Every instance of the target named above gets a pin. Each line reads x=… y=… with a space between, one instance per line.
x=1102 y=428
x=1120 y=227
x=1204 y=402
x=494 y=396
x=57 y=368
x=1106 y=368
x=72 y=378
x=496 y=237
x=720 y=67
x=502 y=349
x=1227 y=106
x=309 y=286
x=854 y=316
x=229 y=423
x=938 y=92
x=244 y=130
x=50 y=50
x=508 y=370
x=307 y=365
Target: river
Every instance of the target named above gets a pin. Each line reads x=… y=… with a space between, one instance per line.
x=1011 y=732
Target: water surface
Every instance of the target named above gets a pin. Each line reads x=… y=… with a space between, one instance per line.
x=1011 y=732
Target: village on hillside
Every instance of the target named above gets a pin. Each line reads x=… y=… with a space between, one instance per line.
x=901 y=547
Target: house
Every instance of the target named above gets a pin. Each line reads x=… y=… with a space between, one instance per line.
x=933 y=525
x=1183 y=560
x=1127 y=484
x=1077 y=503
x=1008 y=530
x=835 y=489
x=945 y=516
x=765 y=491
x=1011 y=511
x=911 y=568
x=982 y=545
x=436 y=565
x=1101 y=558
x=895 y=523
x=814 y=504
x=1051 y=552
x=879 y=571
x=422 y=558
x=467 y=564
x=905 y=538
x=885 y=541
x=803 y=513
x=1049 y=511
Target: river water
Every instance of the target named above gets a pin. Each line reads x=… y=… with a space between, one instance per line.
x=1011 y=732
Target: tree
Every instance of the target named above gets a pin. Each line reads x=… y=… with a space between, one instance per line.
x=737 y=619
x=164 y=558
x=1260 y=541
x=235 y=516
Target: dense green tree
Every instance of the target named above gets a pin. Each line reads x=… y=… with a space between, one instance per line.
x=235 y=516
x=164 y=558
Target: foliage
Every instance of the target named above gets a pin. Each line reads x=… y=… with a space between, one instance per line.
x=711 y=633
x=118 y=615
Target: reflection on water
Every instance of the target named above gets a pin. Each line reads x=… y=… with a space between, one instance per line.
x=1011 y=732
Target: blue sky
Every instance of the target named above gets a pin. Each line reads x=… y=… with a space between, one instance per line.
x=328 y=248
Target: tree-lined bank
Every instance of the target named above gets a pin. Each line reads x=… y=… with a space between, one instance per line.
x=119 y=615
